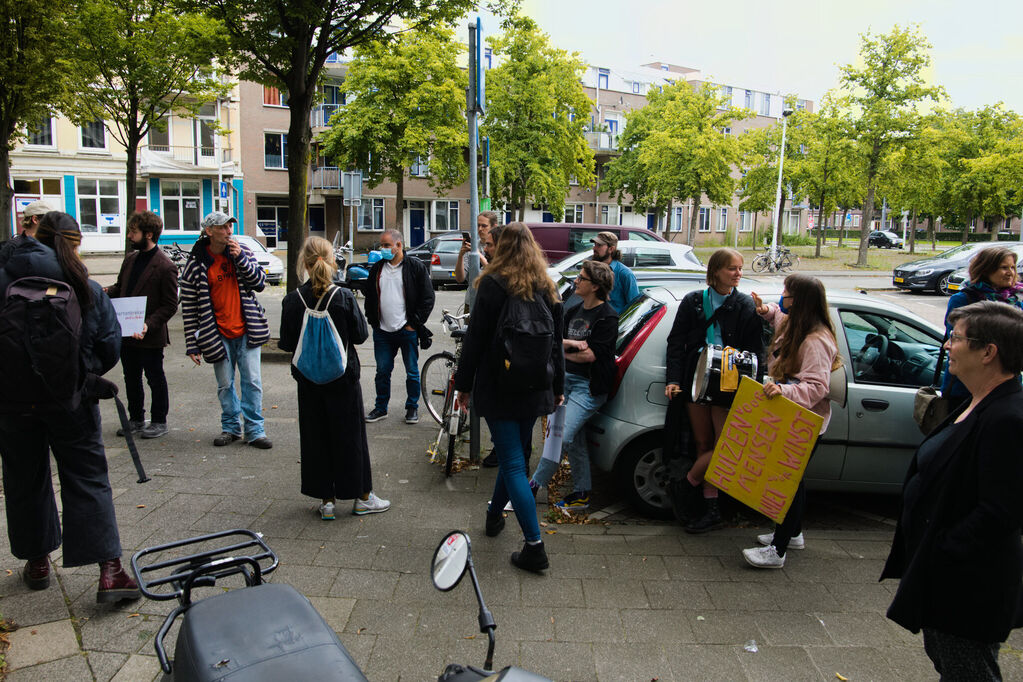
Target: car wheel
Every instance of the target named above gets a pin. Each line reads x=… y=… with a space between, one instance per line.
x=943 y=285
x=644 y=477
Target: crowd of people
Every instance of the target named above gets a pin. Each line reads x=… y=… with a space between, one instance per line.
x=956 y=549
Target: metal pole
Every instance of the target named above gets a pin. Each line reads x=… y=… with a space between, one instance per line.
x=777 y=196
x=474 y=212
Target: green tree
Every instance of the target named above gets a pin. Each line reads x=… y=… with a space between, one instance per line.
x=137 y=62
x=678 y=151
x=536 y=115
x=285 y=44
x=34 y=64
x=987 y=187
x=409 y=101
x=885 y=93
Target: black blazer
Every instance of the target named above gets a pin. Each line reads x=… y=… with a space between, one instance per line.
x=159 y=284
x=963 y=575
x=477 y=368
x=741 y=328
x=348 y=320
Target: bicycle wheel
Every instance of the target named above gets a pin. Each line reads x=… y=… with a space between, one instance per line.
x=786 y=263
x=451 y=425
x=434 y=379
x=761 y=263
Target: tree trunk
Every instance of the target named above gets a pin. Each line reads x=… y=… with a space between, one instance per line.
x=399 y=210
x=693 y=218
x=912 y=233
x=930 y=233
x=868 y=217
x=299 y=142
x=820 y=226
x=841 y=231
x=130 y=185
x=7 y=229
x=754 y=240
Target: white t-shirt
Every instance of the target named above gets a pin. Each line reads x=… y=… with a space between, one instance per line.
x=392 y=298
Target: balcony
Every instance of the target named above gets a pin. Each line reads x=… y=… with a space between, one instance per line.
x=181 y=157
x=601 y=141
x=319 y=117
x=325 y=177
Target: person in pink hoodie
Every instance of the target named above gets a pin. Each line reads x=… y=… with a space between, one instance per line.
x=802 y=354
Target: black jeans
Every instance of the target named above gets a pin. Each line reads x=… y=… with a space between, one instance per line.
x=792 y=524
x=88 y=506
x=135 y=361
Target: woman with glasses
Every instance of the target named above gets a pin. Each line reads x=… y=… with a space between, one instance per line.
x=800 y=359
x=957 y=548
x=591 y=328
x=719 y=315
x=993 y=277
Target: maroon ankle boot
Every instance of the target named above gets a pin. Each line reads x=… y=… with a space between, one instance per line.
x=115 y=584
x=36 y=573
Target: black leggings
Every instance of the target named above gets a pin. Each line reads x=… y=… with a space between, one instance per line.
x=792 y=524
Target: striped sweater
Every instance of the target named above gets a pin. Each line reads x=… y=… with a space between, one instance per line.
x=201 y=332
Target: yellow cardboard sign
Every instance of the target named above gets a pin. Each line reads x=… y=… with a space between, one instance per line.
x=763 y=450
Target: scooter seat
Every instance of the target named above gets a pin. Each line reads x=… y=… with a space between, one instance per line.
x=265 y=633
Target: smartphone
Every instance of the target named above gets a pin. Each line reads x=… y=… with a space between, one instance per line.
x=466 y=237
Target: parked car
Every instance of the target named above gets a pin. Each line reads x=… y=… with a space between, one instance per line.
x=441 y=254
x=647 y=277
x=271 y=264
x=563 y=239
x=636 y=253
x=884 y=239
x=888 y=352
x=933 y=273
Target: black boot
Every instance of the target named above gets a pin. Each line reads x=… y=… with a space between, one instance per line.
x=686 y=500
x=710 y=520
x=495 y=523
x=531 y=558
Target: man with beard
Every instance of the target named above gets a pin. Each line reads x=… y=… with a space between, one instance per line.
x=625 y=291
x=147 y=271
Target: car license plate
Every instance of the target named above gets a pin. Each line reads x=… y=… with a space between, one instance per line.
x=266 y=270
x=954 y=287
x=897 y=280
x=452 y=273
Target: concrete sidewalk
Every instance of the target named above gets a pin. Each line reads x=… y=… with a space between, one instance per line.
x=625 y=599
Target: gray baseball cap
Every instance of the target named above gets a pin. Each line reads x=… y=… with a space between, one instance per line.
x=36 y=208
x=217 y=218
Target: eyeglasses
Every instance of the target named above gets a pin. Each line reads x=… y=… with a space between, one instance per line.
x=955 y=338
x=585 y=279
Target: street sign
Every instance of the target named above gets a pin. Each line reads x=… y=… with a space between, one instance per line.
x=481 y=70
x=809 y=221
x=223 y=190
x=352 y=188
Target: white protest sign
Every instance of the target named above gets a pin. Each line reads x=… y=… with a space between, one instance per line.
x=131 y=313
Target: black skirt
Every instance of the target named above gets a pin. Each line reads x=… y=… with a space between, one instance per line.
x=333 y=445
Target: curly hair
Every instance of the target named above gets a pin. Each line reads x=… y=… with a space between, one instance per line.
x=519 y=263
x=317 y=260
x=808 y=313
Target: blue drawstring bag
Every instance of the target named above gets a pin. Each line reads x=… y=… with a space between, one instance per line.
x=320 y=356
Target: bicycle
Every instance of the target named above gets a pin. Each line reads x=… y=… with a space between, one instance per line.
x=437 y=380
x=784 y=261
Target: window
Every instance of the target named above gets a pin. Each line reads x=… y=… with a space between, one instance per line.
x=99 y=206
x=50 y=186
x=801 y=104
x=612 y=125
x=573 y=213
x=445 y=215
x=41 y=134
x=272 y=97
x=722 y=219
x=204 y=130
x=181 y=207
x=272 y=218
x=635 y=87
x=704 y=224
x=874 y=339
x=676 y=223
x=159 y=140
x=420 y=167
x=652 y=257
x=745 y=221
x=371 y=214
x=765 y=107
x=609 y=215
x=726 y=96
x=749 y=99
x=94 y=135
x=275 y=150
x=602 y=77
x=579 y=239
x=488 y=57
x=856 y=221
x=726 y=131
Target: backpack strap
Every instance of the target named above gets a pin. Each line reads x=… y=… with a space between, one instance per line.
x=332 y=290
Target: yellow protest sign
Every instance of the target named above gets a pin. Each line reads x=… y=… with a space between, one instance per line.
x=763 y=450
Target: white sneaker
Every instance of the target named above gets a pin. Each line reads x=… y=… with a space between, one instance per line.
x=763 y=557
x=372 y=505
x=796 y=542
x=327 y=511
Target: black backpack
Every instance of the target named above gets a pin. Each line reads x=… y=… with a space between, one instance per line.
x=525 y=340
x=40 y=323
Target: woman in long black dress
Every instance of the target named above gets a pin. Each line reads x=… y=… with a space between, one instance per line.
x=332 y=433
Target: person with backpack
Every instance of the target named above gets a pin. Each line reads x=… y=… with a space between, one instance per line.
x=55 y=409
x=513 y=367
x=332 y=434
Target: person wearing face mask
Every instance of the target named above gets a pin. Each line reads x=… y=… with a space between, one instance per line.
x=399 y=300
x=719 y=315
x=147 y=271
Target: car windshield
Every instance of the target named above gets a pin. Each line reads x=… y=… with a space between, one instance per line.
x=449 y=246
x=633 y=319
x=254 y=244
x=571 y=261
x=958 y=251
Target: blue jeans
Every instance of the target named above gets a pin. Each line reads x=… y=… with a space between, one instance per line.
x=251 y=384
x=385 y=346
x=511 y=439
x=579 y=407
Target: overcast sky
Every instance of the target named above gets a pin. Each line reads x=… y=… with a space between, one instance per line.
x=794 y=46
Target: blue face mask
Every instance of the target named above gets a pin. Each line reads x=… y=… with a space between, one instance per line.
x=781 y=305
x=386 y=254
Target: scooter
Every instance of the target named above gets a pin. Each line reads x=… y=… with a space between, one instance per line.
x=267 y=632
x=350 y=275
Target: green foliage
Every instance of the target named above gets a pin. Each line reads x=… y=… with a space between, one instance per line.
x=409 y=100
x=536 y=114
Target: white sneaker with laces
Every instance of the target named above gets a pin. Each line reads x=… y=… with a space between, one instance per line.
x=371 y=505
x=763 y=557
x=796 y=542
x=327 y=511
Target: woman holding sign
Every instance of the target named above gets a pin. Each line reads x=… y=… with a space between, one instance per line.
x=720 y=315
x=802 y=354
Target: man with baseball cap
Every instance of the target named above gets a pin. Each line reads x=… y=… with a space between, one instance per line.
x=30 y=218
x=225 y=325
x=625 y=290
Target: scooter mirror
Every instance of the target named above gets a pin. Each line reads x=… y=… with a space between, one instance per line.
x=337 y=238
x=450 y=560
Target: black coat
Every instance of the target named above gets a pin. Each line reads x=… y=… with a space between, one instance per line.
x=158 y=282
x=477 y=368
x=348 y=320
x=963 y=575
x=741 y=328
x=419 y=297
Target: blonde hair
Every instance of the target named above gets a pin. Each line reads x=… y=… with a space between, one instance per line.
x=719 y=260
x=519 y=264
x=317 y=260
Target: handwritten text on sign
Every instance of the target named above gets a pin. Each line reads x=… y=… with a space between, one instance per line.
x=763 y=450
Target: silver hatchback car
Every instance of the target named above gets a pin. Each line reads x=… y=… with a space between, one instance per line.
x=888 y=351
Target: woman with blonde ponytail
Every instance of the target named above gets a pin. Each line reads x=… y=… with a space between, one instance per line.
x=332 y=434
